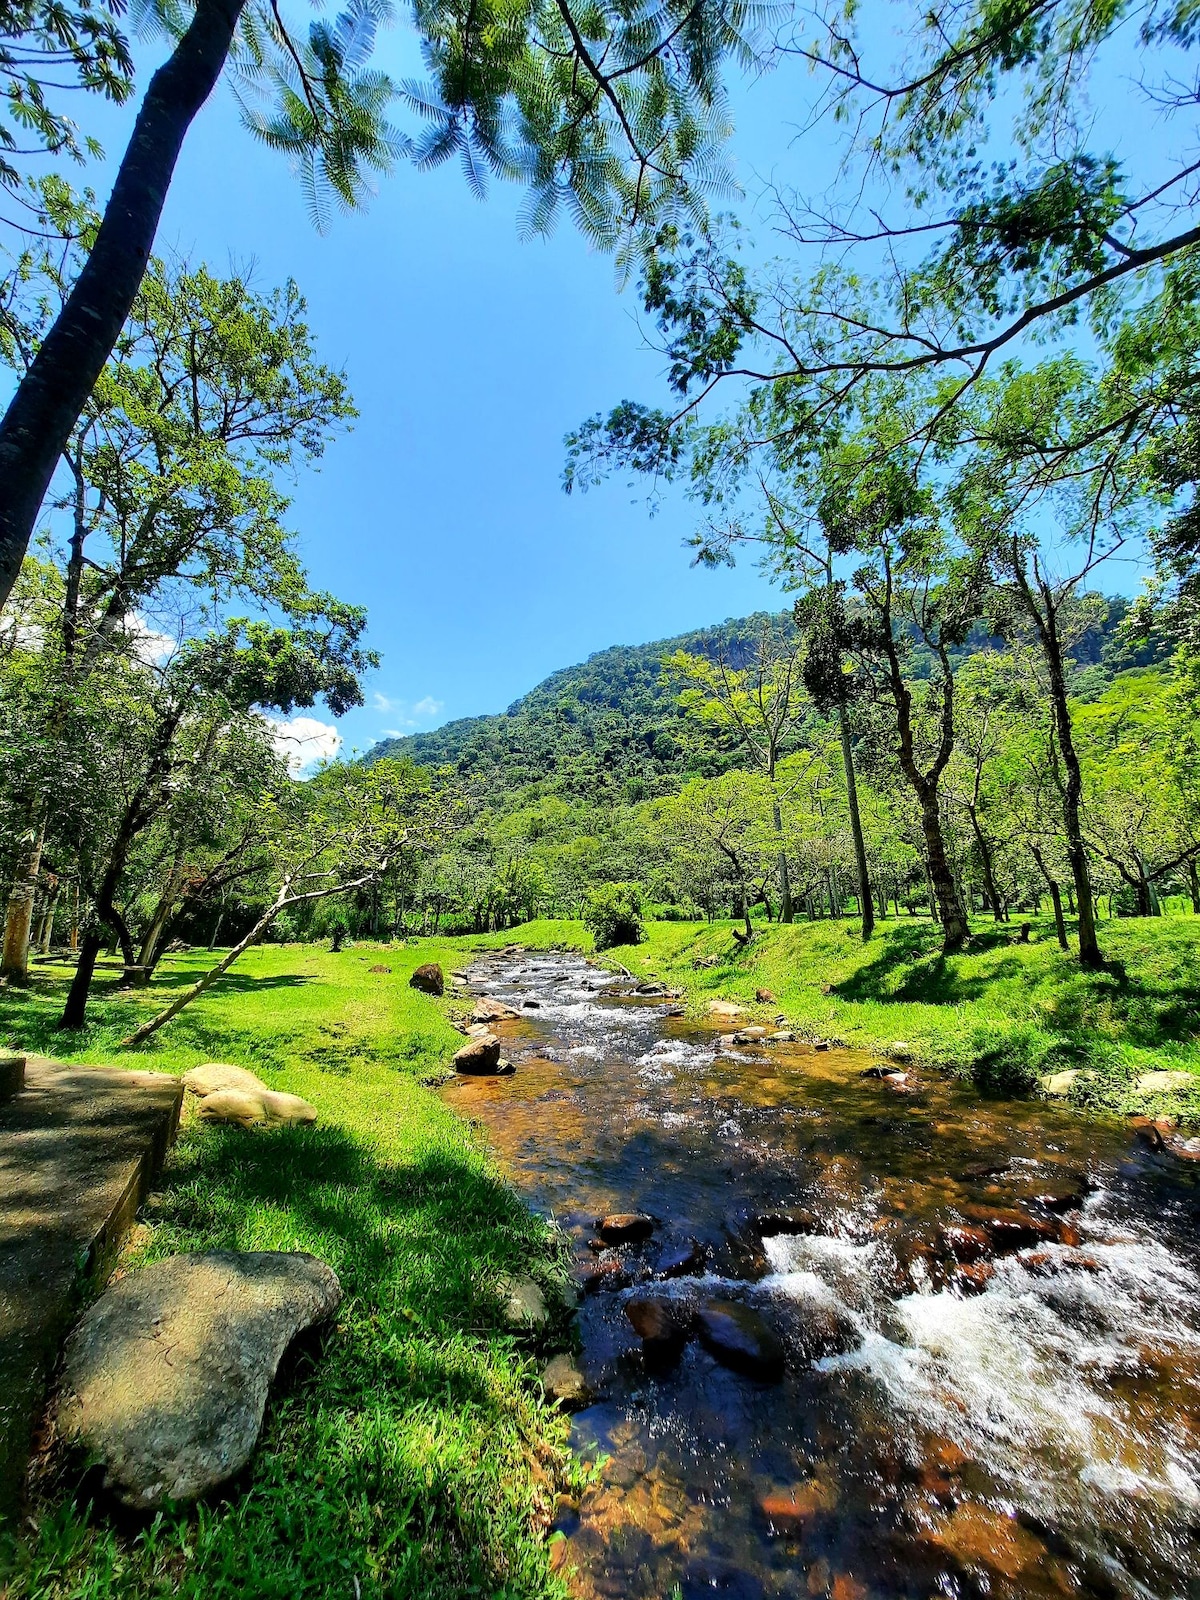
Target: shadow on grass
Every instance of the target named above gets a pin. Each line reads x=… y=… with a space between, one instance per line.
x=390 y=1442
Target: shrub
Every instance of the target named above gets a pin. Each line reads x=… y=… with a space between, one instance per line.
x=613 y=912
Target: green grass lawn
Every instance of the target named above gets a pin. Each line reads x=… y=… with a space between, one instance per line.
x=409 y=1455
x=1003 y=1012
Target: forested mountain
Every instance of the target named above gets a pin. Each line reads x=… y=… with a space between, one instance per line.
x=612 y=726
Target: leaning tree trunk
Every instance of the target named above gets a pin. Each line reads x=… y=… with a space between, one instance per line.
x=75 y=1011
x=53 y=392
x=149 y=954
x=18 y=923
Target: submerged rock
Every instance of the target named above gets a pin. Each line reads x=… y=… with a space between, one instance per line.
x=740 y=1338
x=770 y=1223
x=626 y=1227
x=167 y=1375
x=429 y=979
x=790 y=1510
x=681 y=1260
x=479 y=1056
x=1010 y=1229
x=606 y=1276
x=826 y=1330
x=964 y=1244
x=661 y=1323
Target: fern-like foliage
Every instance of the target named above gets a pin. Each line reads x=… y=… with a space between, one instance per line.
x=318 y=100
x=612 y=110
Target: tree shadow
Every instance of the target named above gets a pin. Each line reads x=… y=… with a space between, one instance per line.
x=394 y=1407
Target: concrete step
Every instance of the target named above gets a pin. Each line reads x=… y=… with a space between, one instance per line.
x=79 y=1148
x=12 y=1076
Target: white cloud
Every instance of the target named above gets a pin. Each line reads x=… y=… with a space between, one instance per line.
x=407 y=716
x=304 y=741
x=151 y=647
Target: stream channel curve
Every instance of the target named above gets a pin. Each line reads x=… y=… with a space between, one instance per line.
x=987 y=1314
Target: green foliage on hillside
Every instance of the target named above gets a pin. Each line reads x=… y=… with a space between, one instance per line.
x=612 y=729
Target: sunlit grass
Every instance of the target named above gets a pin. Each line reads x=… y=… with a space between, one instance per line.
x=411 y=1454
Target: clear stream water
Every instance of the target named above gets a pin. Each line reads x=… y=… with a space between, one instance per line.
x=1035 y=1432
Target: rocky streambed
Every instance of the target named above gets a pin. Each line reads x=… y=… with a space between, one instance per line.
x=850 y=1332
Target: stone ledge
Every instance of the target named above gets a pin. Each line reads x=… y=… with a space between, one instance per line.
x=79 y=1148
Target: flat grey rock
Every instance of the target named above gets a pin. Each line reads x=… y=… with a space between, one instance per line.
x=167 y=1374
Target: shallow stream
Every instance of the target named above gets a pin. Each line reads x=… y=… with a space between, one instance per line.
x=1011 y=1402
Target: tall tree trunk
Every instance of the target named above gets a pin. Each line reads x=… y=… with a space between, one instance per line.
x=1060 y=925
x=950 y=913
x=786 y=911
x=856 y=828
x=1045 y=621
x=985 y=861
x=14 y=963
x=1194 y=886
x=51 y=396
x=46 y=928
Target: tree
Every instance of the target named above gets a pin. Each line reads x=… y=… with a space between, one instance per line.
x=331 y=837
x=760 y=704
x=212 y=394
x=602 y=109
x=245 y=666
x=723 y=820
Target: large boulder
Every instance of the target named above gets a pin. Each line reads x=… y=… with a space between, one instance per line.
x=429 y=979
x=740 y=1338
x=214 y=1076
x=249 y=1107
x=478 y=1057
x=166 y=1376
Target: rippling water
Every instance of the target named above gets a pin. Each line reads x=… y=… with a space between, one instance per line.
x=1030 y=1427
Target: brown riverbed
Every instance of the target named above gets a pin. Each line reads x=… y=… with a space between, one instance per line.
x=1010 y=1407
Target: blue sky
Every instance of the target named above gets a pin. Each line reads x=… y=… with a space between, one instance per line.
x=470 y=353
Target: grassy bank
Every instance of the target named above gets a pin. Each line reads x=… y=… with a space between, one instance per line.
x=412 y=1455
x=1002 y=1012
